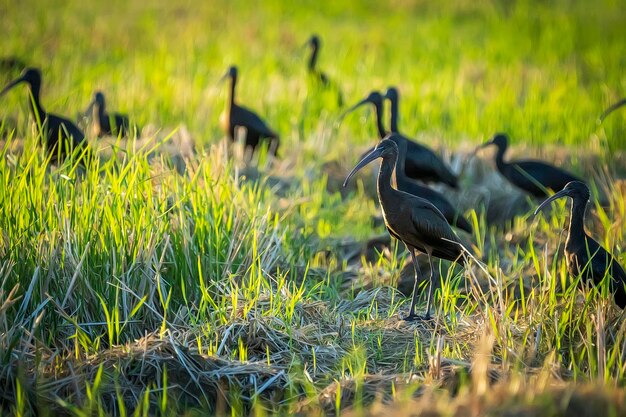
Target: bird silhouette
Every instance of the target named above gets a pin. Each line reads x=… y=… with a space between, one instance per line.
x=583 y=255
x=413 y=220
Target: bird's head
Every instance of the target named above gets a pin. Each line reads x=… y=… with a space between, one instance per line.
x=391 y=94
x=230 y=73
x=313 y=42
x=576 y=190
x=31 y=76
x=374 y=98
x=500 y=140
x=99 y=98
x=386 y=148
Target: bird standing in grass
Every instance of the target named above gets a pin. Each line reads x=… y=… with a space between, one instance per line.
x=534 y=177
x=59 y=134
x=421 y=163
x=115 y=124
x=239 y=116
x=583 y=255
x=314 y=43
x=409 y=185
x=411 y=219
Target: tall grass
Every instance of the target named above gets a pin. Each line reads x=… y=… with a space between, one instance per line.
x=168 y=281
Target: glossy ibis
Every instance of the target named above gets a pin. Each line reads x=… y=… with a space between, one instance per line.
x=583 y=254
x=421 y=163
x=239 y=116
x=115 y=124
x=405 y=183
x=315 y=44
x=60 y=135
x=612 y=108
x=534 y=177
x=411 y=219
x=452 y=215
x=437 y=171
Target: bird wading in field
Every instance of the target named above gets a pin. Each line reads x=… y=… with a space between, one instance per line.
x=411 y=219
x=534 y=177
x=314 y=44
x=104 y=123
x=583 y=255
x=421 y=163
x=59 y=135
x=408 y=185
x=238 y=116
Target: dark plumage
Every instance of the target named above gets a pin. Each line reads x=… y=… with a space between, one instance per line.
x=534 y=177
x=314 y=43
x=115 y=124
x=582 y=253
x=408 y=185
x=411 y=219
x=426 y=164
x=59 y=134
x=612 y=108
x=421 y=162
x=239 y=116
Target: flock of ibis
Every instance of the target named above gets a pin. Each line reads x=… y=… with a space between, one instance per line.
x=414 y=213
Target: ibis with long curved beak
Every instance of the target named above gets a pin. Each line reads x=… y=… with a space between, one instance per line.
x=413 y=220
x=105 y=123
x=60 y=135
x=583 y=255
x=534 y=177
x=421 y=162
x=238 y=116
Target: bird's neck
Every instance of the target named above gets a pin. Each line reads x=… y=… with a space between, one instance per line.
x=231 y=98
x=577 y=218
x=379 y=121
x=35 y=104
x=100 y=110
x=500 y=158
x=394 y=116
x=313 y=59
x=386 y=176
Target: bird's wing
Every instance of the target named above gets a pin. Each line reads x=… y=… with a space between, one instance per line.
x=429 y=226
x=242 y=116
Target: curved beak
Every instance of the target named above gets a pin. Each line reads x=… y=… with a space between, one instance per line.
x=353 y=108
x=11 y=85
x=369 y=157
x=90 y=107
x=478 y=148
x=611 y=109
x=562 y=193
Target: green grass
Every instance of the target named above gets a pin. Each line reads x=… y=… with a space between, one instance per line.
x=138 y=289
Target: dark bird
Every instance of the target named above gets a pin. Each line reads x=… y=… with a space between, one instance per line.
x=438 y=171
x=452 y=215
x=315 y=44
x=534 y=177
x=239 y=116
x=408 y=185
x=104 y=123
x=421 y=162
x=411 y=219
x=60 y=135
x=612 y=108
x=583 y=254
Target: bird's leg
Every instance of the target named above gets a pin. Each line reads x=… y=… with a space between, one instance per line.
x=430 y=286
x=416 y=268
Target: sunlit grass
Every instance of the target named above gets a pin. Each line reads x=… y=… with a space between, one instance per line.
x=172 y=280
